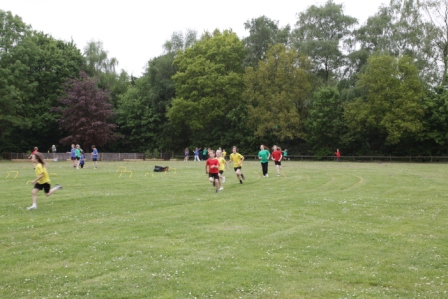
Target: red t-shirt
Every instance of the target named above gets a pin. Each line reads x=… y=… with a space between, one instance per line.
x=210 y=162
x=276 y=155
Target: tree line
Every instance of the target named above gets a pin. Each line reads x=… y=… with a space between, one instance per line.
x=377 y=88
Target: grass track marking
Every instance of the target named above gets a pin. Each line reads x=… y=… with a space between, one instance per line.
x=308 y=179
x=357 y=183
x=327 y=183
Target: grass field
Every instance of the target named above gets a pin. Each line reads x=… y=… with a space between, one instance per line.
x=321 y=230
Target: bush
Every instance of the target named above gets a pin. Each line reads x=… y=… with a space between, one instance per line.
x=152 y=154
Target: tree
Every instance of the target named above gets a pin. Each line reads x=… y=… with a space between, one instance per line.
x=401 y=29
x=325 y=123
x=12 y=31
x=85 y=113
x=320 y=32
x=263 y=33
x=208 y=86
x=180 y=41
x=275 y=93
x=436 y=121
x=99 y=65
x=34 y=71
x=141 y=113
x=393 y=103
x=437 y=12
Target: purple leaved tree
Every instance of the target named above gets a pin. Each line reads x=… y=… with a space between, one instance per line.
x=85 y=113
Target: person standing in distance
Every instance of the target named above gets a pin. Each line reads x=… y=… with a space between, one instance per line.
x=77 y=155
x=264 y=156
x=42 y=181
x=237 y=160
x=196 y=155
x=94 y=156
x=338 y=155
x=35 y=150
x=73 y=155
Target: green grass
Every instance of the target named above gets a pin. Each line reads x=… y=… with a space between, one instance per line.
x=321 y=230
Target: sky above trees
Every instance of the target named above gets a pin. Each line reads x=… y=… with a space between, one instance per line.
x=135 y=31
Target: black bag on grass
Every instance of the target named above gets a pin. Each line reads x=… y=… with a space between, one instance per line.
x=160 y=168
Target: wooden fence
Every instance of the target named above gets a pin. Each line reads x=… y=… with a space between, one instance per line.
x=166 y=156
x=88 y=156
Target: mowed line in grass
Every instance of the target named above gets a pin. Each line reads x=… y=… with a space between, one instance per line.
x=285 y=237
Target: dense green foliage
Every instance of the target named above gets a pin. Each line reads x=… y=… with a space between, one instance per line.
x=328 y=82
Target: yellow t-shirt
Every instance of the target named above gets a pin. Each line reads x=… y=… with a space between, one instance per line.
x=42 y=170
x=224 y=153
x=237 y=159
x=222 y=163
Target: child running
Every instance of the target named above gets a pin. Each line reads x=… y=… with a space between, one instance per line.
x=237 y=160
x=222 y=166
x=42 y=181
x=277 y=157
x=212 y=169
x=264 y=156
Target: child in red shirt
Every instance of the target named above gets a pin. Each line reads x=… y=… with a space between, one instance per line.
x=277 y=157
x=212 y=169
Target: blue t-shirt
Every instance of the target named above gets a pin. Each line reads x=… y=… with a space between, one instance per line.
x=81 y=161
x=196 y=152
x=95 y=154
x=72 y=153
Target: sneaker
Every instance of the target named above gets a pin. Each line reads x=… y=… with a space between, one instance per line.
x=278 y=174
x=216 y=191
x=222 y=188
x=223 y=179
x=241 y=181
x=58 y=187
x=242 y=175
x=32 y=208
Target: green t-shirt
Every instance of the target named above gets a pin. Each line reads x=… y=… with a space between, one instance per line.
x=264 y=155
x=77 y=153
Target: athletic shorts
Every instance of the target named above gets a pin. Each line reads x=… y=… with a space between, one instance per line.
x=45 y=186
x=215 y=176
x=78 y=158
x=278 y=163
x=94 y=159
x=236 y=168
x=73 y=158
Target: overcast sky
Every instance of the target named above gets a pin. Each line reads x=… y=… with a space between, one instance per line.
x=134 y=31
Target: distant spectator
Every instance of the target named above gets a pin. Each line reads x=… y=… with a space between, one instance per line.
x=338 y=155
